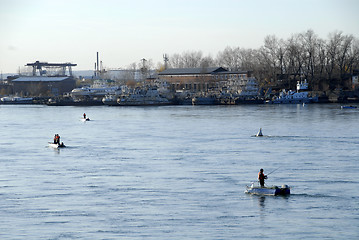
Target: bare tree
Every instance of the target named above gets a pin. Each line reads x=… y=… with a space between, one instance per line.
x=230 y=58
x=353 y=56
x=248 y=59
x=295 y=57
x=322 y=55
x=302 y=55
x=343 y=57
x=207 y=61
x=192 y=59
x=333 y=44
x=309 y=45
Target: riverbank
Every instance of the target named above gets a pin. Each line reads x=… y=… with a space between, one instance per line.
x=344 y=97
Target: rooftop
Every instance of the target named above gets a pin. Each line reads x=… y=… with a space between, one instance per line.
x=183 y=71
x=40 y=79
x=193 y=71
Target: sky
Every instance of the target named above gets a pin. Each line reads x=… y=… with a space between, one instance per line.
x=126 y=31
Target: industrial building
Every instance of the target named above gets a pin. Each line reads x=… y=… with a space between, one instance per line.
x=48 y=79
x=43 y=86
x=202 y=79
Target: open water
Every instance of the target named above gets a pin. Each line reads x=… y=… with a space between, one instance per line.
x=178 y=172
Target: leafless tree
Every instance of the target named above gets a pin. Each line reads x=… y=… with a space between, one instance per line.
x=343 y=59
x=207 y=61
x=175 y=61
x=192 y=59
x=333 y=45
x=230 y=58
x=309 y=45
x=302 y=55
x=353 y=56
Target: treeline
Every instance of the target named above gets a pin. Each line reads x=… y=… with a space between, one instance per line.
x=325 y=63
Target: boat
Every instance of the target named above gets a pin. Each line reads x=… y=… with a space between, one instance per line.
x=294 y=97
x=71 y=102
x=110 y=100
x=96 y=90
x=183 y=97
x=203 y=100
x=240 y=89
x=143 y=97
x=85 y=119
x=56 y=145
x=15 y=100
x=272 y=191
x=348 y=107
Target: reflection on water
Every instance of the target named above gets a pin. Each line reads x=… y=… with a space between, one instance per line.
x=261 y=201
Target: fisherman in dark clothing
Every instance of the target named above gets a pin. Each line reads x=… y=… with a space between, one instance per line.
x=261 y=177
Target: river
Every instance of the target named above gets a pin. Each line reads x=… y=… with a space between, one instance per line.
x=178 y=172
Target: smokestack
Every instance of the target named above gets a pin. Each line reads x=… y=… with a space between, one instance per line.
x=97 y=63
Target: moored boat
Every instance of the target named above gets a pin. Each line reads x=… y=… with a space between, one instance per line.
x=348 y=107
x=15 y=100
x=110 y=100
x=143 y=97
x=203 y=100
x=273 y=190
x=294 y=97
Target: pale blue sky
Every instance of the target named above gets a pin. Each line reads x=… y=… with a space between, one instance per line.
x=127 y=31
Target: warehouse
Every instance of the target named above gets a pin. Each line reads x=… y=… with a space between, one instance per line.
x=43 y=86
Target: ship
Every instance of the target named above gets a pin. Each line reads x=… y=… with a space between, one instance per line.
x=294 y=97
x=143 y=97
x=16 y=100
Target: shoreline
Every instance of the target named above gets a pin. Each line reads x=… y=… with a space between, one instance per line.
x=89 y=104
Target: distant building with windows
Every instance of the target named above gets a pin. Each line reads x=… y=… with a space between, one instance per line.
x=209 y=79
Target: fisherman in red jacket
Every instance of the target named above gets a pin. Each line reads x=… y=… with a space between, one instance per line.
x=57 y=139
x=261 y=177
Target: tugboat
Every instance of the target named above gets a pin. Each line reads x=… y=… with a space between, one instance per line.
x=295 y=97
